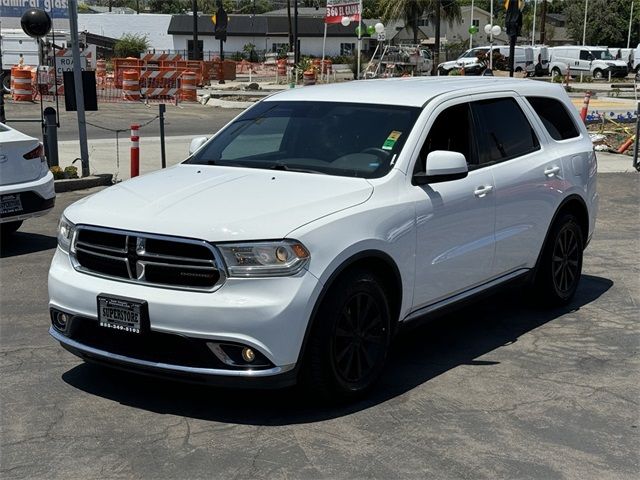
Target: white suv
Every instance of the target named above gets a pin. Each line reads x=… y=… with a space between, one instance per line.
x=294 y=243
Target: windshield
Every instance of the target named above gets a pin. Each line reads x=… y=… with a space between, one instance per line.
x=346 y=139
x=602 y=55
x=473 y=52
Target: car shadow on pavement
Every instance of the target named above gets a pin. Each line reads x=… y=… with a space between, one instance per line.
x=459 y=338
x=23 y=243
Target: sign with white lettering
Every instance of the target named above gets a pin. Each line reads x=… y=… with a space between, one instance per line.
x=15 y=8
x=337 y=9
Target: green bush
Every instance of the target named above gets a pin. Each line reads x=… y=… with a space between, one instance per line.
x=57 y=172
x=131 y=45
x=71 y=172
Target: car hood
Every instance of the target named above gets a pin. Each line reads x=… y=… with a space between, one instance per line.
x=219 y=203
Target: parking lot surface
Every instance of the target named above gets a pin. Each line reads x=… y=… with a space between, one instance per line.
x=499 y=389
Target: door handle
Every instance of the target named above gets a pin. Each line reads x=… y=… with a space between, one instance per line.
x=551 y=171
x=482 y=190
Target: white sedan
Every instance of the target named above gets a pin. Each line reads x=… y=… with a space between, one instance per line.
x=26 y=184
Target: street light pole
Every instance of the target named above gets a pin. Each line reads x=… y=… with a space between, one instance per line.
x=584 y=26
x=630 y=20
x=533 y=30
x=471 y=26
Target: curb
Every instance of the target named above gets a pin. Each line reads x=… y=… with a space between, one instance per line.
x=70 y=184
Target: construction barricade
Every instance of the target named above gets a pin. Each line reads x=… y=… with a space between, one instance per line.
x=21 y=81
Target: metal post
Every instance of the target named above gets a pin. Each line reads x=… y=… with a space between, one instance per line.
x=296 y=52
x=636 y=165
x=471 y=26
x=163 y=156
x=221 y=79
x=196 y=50
x=491 y=39
x=3 y=118
x=51 y=136
x=584 y=26
x=630 y=20
x=359 y=38
x=533 y=30
x=77 y=78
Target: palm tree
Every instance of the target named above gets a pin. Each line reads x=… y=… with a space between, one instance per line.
x=411 y=10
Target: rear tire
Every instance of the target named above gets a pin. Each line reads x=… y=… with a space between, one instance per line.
x=350 y=339
x=6 y=82
x=9 y=228
x=560 y=267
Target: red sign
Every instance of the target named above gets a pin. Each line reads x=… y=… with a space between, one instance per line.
x=336 y=10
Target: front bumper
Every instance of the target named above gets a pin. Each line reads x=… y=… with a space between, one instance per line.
x=37 y=198
x=269 y=315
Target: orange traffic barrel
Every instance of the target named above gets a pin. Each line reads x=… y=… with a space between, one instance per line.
x=326 y=66
x=21 y=84
x=101 y=68
x=188 y=91
x=131 y=85
x=309 y=77
x=282 y=67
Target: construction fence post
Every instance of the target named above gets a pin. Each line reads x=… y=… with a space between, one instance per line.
x=163 y=156
x=135 y=150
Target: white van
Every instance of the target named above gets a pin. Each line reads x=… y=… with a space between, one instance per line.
x=595 y=61
x=541 y=56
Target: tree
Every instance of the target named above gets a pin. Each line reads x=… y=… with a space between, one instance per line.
x=410 y=11
x=612 y=32
x=131 y=45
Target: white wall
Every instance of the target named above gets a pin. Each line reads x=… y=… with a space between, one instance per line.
x=113 y=25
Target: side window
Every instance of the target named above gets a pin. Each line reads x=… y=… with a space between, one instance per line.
x=506 y=132
x=451 y=131
x=584 y=55
x=555 y=117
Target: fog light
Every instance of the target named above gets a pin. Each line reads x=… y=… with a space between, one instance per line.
x=248 y=355
x=60 y=320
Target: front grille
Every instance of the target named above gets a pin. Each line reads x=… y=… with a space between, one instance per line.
x=146 y=258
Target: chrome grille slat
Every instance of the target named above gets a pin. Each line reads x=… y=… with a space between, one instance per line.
x=98 y=255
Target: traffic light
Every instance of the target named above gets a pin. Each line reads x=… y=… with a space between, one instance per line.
x=221 y=22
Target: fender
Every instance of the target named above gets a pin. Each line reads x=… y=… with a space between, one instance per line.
x=378 y=254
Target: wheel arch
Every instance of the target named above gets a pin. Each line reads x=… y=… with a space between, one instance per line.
x=575 y=205
x=378 y=261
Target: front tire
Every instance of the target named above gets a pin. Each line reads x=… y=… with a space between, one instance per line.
x=598 y=75
x=560 y=266
x=350 y=338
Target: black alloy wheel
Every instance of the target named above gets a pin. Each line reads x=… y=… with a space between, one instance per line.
x=349 y=339
x=560 y=266
x=359 y=339
x=565 y=261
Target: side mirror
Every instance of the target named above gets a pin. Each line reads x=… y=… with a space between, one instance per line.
x=196 y=143
x=442 y=166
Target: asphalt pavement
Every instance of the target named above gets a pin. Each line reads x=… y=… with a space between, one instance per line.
x=500 y=389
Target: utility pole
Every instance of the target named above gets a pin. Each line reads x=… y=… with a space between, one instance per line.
x=296 y=50
x=77 y=79
x=543 y=21
x=436 y=41
x=533 y=30
x=630 y=21
x=195 y=54
x=584 y=25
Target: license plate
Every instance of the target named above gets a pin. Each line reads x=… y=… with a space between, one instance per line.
x=10 y=204
x=124 y=314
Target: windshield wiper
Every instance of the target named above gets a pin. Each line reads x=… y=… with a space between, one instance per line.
x=286 y=168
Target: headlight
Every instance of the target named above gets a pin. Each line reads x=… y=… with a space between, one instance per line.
x=65 y=233
x=264 y=259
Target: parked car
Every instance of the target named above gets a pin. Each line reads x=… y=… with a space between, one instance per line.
x=293 y=244
x=594 y=61
x=470 y=61
x=26 y=184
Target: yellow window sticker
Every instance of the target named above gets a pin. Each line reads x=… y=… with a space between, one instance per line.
x=391 y=140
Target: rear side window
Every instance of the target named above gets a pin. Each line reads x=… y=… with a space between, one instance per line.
x=555 y=117
x=506 y=133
